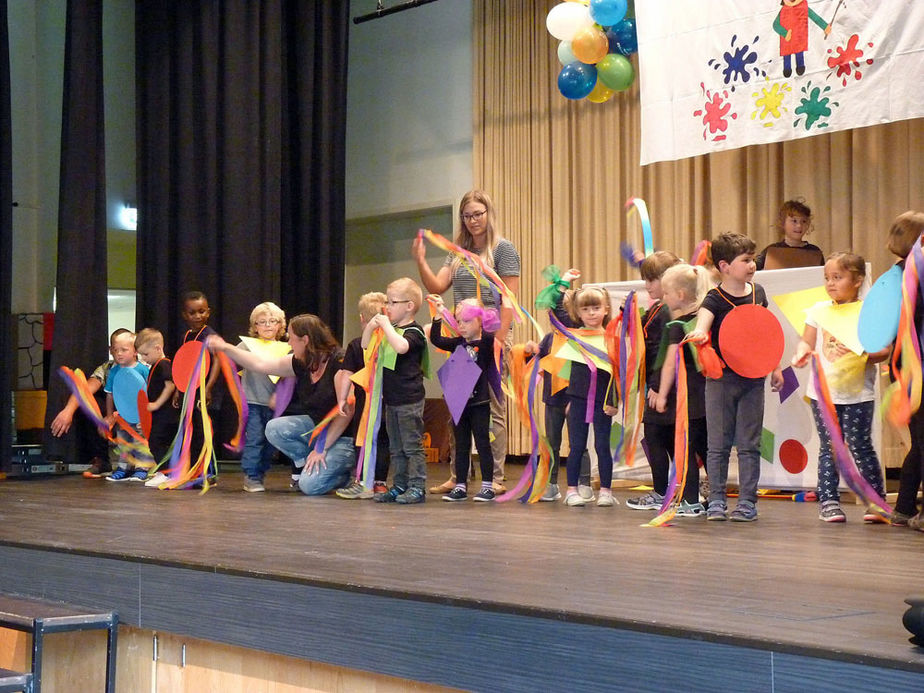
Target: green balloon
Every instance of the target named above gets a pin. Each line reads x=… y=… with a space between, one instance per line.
x=615 y=71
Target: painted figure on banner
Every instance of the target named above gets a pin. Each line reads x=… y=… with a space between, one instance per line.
x=792 y=26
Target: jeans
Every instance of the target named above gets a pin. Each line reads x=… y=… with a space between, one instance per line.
x=258 y=453
x=405 y=425
x=734 y=416
x=856 y=422
x=287 y=434
x=554 y=422
x=660 y=441
x=577 y=438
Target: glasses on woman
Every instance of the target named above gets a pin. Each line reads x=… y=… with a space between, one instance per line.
x=266 y=322
x=474 y=216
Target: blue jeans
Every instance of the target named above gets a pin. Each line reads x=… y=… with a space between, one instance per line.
x=856 y=422
x=405 y=425
x=734 y=416
x=554 y=422
x=258 y=453
x=287 y=434
x=578 y=430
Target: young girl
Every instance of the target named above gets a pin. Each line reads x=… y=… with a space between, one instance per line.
x=683 y=289
x=654 y=321
x=267 y=327
x=590 y=307
x=475 y=420
x=794 y=223
x=851 y=378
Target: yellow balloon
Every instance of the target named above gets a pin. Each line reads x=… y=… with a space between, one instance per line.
x=590 y=45
x=600 y=94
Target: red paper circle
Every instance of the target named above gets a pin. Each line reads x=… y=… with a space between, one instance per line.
x=144 y=416
x=184 y=363
x=793 y=456
x=751 y=341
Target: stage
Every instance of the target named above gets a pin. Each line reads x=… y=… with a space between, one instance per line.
x=482 y=596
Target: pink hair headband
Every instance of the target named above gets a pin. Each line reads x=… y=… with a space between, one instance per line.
x=490 y=321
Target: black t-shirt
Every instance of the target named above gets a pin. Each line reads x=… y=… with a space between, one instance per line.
x=579 y=384
x=317 y=399
x=404 y=384
x=354 y=361
x=696 y=381
x=158 y=377
x=481 y=352
x=720 y=303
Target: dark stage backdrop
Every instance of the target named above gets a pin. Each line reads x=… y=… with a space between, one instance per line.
x=6 y=245
x=241 y=127
x=81 y=314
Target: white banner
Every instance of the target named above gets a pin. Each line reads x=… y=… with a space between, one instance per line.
x=724 y=74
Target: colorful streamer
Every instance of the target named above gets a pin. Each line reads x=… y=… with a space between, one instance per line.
x=629 y=378
x=548 y=297
x=371 y=420
x=701 y=253
x=638 y=204
x=681 y=462
x=903 y=397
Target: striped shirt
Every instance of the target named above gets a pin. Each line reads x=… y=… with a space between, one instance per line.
x=506 y=264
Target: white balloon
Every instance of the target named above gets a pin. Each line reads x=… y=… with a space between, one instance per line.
x=565 y=54
x=567 y=18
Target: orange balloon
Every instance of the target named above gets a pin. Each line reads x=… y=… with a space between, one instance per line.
x=590 y=45
x=600 y=94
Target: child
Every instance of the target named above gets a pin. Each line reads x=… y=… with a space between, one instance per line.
x=370 y=305
x=403 y=390
x=734 y=403
x=90 y=444
x=164 y=419
x=590 y=308
x=475 y=420
x=851 y=380
x=658 y=425
x=683 y=288
x=905 y=231
x=795 y=223
x=125 y=357
x=268 y=326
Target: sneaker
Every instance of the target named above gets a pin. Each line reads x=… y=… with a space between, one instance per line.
x=413 y=495
x=379 y=487
x=874 y=517
x=586 y=492
x=605 y=499
x=293 y=481
x=830 y=511
x=551 y=494
x=498 y=489
x=917 y=522
x=355 y=491
x=717 y=511
x=253 y=485
x=703 y=488
x=139 y=475
x=388 y=496
x=119 y=475
x=485 y=495
x=445 y=487
x=156 y=479
x=650 y=501
x=98 y=468
x=457 y=494
x=899 y=519
x=743 y=512
x=574 y=498
x=686 y=509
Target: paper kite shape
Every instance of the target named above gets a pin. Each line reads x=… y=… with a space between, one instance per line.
x=458 y=377
x=267 y=347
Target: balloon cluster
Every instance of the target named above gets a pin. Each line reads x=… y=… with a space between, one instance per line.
x=596 y=38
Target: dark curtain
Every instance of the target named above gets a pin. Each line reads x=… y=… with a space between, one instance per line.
x=81 y=313
x=6 y=246
x=241 y=126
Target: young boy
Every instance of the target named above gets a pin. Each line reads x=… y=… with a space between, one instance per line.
x=734 y=404
x=90 y=444
x=164 y=418
x=403 y=389
x=125 y=357
x=370 y=305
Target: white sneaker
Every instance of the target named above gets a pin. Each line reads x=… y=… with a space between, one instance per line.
x=605 y=499
x=586 y=492
x=551 y=493
x=574 y=499
x=253 y=485
x=157 y=480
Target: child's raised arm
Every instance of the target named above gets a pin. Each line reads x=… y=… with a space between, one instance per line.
x=700 y=333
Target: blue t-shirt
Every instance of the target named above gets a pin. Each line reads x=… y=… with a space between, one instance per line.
x=142 y=369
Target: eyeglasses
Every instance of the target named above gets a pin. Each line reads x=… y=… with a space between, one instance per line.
x=268 y=322
x=474 y=216
x=395 y=303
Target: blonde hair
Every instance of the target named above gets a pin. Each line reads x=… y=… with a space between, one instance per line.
x=906 y=229
x=371 y=304
x=118 y=333
x=654 y=265
x=408 y=288
x=588 y=296
x=149 y=336
x=465 y=239
x=693 y=282
x=274 y=311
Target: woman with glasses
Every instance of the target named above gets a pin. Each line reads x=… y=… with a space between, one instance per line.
x=478 y=234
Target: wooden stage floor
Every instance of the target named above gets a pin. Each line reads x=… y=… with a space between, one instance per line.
x=787 y=583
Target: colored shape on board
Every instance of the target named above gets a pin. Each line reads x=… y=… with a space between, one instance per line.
x=790 y=383
x=793 y=456
x=751 y=341
x=144 y=416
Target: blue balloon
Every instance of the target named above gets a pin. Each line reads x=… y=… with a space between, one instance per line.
x=577 y=80
x=625 y=36
x=607 y=12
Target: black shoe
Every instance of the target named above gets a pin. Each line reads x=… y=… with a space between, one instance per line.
x=457 y=494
